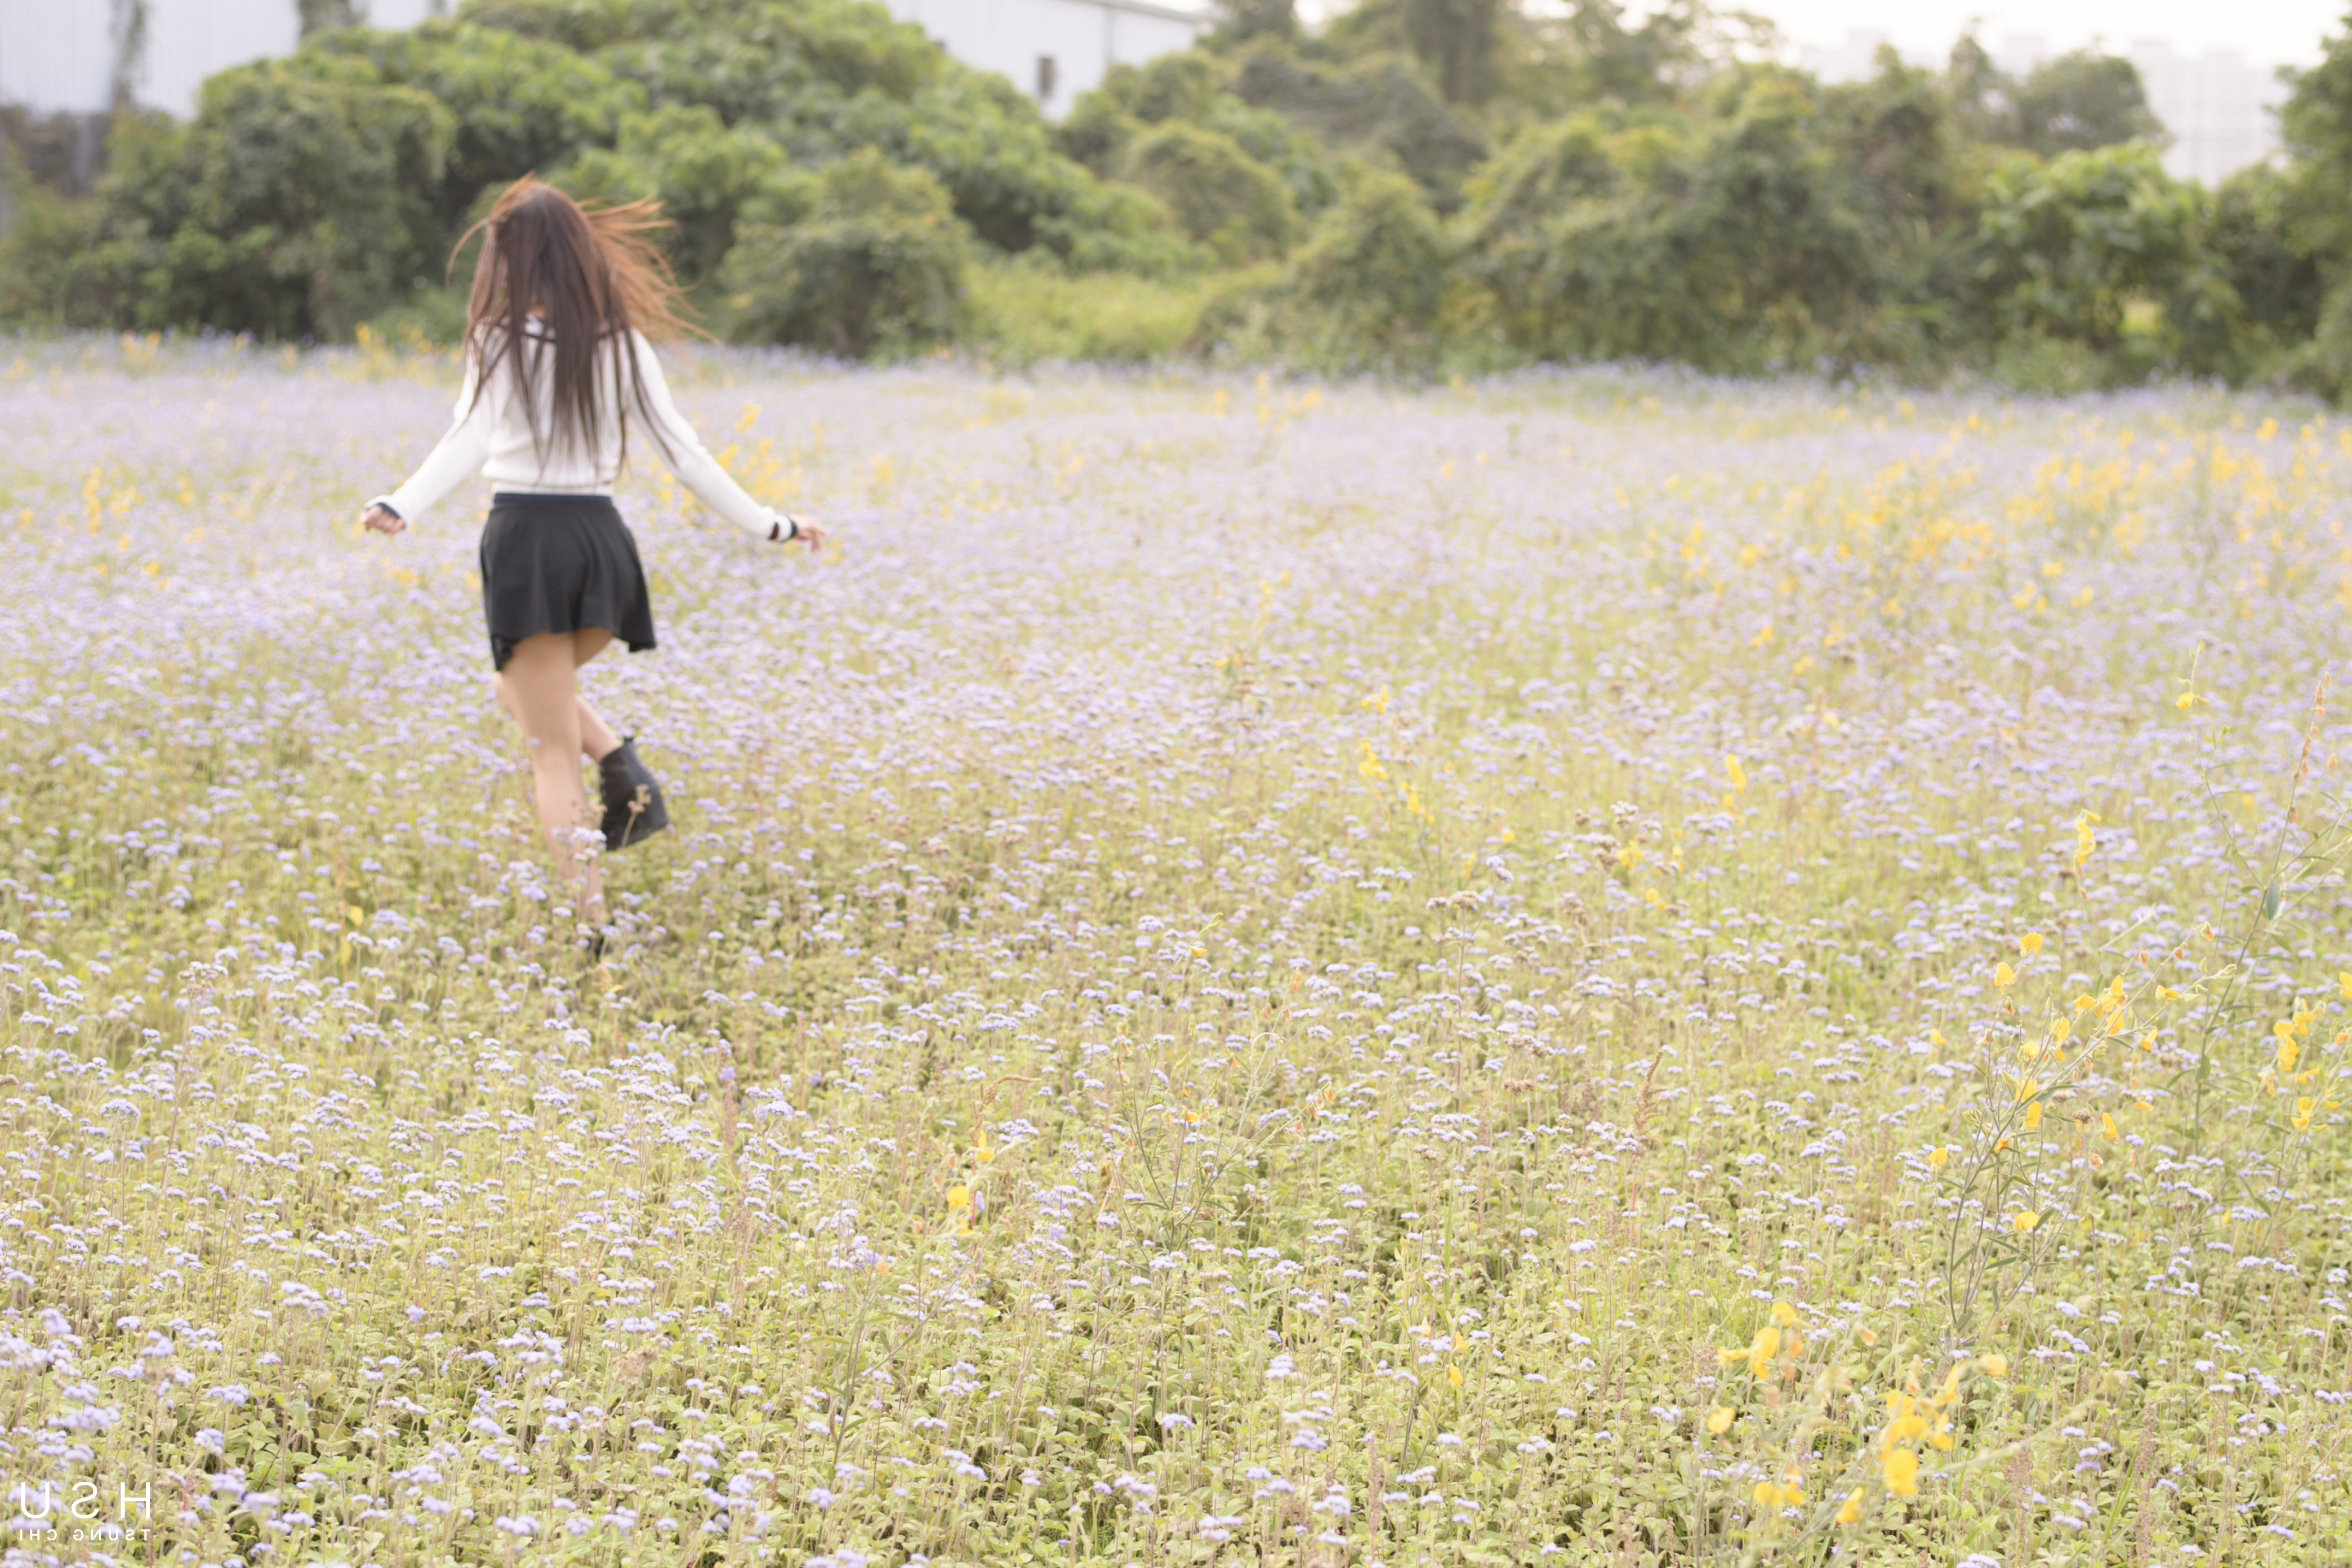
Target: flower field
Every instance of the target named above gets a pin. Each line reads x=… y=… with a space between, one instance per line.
x=1592 y=969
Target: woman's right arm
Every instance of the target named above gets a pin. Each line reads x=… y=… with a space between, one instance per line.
x=459 y=453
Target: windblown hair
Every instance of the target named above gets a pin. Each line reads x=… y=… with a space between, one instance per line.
x=589 y=275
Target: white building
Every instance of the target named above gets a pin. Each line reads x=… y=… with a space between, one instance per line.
x=2223 y=112
x=69 y=55
x=1054 y=50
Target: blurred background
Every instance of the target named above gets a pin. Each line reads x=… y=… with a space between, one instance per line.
x=2077 y=194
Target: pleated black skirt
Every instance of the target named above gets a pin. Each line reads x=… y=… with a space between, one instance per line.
x=557 y=563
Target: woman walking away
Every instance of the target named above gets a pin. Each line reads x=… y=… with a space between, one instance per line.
x=558 y=368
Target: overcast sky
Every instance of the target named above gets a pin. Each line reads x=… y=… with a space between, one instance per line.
x=2266 y=32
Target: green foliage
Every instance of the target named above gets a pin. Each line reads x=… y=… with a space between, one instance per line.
x=2083 y=100
x=1192 y=87
x=798 y=66
x=878 y=267
x=1732 y=246
x=2314 y=201
x=1218 y=194
x=521 y=104
x=1595 y=187
x=1368 y=287
x=1380 y=108
x=1459 y=42
x=2074 y=102
x=2101 y=250
x=2278 y=286
x=824 y=78
x=704 y=173
x=291 y=206
x=1025 y=314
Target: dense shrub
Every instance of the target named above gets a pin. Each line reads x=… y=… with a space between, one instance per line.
x=296 y=204
x=876 y=267
x=1218 y=194
x=821 y=78
x=2104 y=251
x=1382 y=108
x=1191 y=86
x=704 y=173
x=521 y=104
x=1733 y=244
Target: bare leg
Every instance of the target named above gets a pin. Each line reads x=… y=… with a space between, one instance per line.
x=539 y=688
x=596 y=737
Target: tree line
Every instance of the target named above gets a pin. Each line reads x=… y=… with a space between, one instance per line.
x=1422 y=183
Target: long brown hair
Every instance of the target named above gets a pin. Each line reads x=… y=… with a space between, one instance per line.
x=589 y=275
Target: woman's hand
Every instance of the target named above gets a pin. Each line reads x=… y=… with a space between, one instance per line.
x=382 y=519
x=802 y=531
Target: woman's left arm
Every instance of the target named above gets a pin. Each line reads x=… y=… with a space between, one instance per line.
x=699 y=470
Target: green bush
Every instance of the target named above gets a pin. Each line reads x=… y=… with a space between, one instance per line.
x=1377 y=264
x=1191 y=86
x=1218 y=194
x=1733 y=244
x=2104 y=250
x=1022 y=313
x=877 y=268
x=296 y=204
x=821 y=78
x=1382 y=108
x=705 y=175
x=521 y=104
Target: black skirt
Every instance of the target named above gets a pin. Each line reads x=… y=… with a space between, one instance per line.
x=557 y=563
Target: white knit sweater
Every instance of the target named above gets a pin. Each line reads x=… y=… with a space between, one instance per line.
x=492 y=437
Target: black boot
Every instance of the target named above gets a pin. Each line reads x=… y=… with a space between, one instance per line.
x=632 y=801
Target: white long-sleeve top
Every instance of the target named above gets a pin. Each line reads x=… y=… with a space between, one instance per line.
x=491 y=436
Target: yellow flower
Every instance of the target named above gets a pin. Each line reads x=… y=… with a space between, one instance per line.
x=2082 y=835
x=2029 y=943
x=1994 y=1363
x=1454 y=1375
x=1719 y=1420
x=1851 y=1509
x=2344 y=979
x=2033 y=1116
x=2026 y=1089
x=1736 y=773
x=2304 y=1107
x=1783 y=1314
x=1939 y=1156
x=2024 y=1220
x=1901 y=1467
x=2107 y=1125
x=959 y=1197
x=2061 y=1029
x=1765 y=1345
x=1906 y=1428
x=2287 y=1053
x=2003 y=975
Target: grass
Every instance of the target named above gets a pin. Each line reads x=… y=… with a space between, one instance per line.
x=1252 y=971
x=1025 y=315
